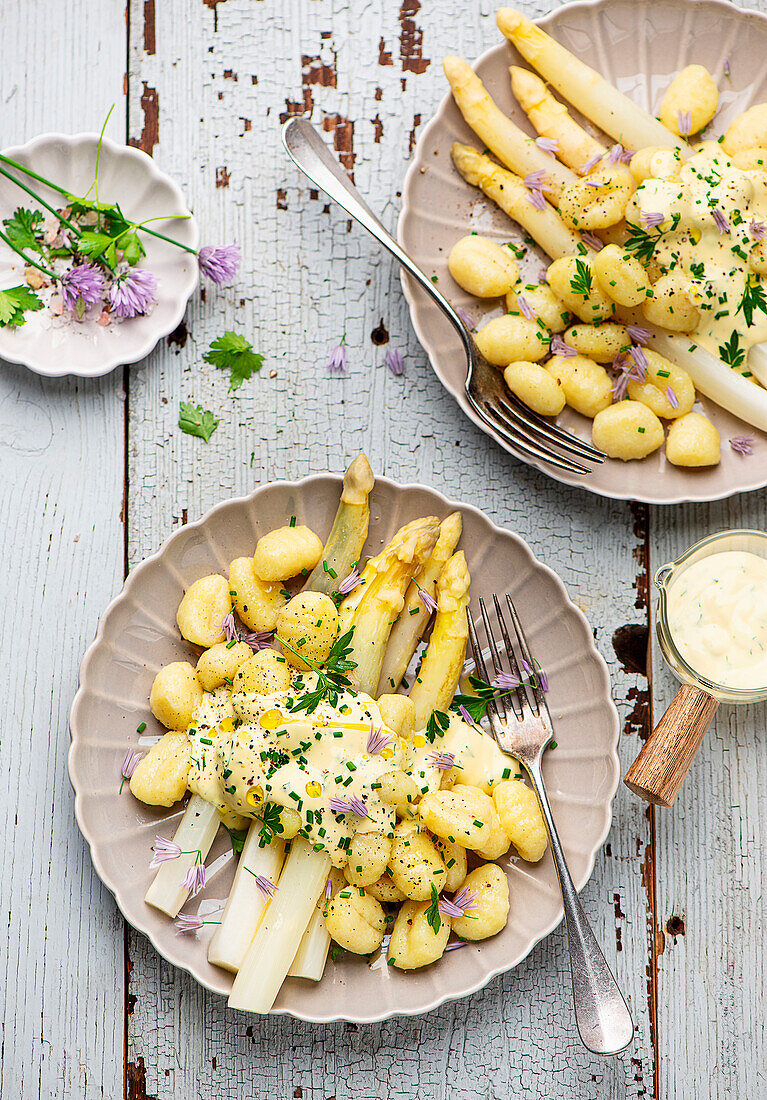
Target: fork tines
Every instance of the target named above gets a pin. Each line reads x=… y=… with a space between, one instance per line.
x=527 y=694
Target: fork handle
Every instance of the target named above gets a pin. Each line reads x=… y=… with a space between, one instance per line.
x=306 y=148
x=604 y=1021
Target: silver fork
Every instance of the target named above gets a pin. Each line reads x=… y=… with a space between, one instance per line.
x=507 y=417
x=521 y=724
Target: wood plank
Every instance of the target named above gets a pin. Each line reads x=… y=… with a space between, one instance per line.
x=219 y=77
x=61 y=542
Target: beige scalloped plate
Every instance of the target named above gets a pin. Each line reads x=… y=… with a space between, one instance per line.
x=639 y=47
x=138 y=634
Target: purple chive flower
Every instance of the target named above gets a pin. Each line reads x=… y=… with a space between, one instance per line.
x=743 y=444
x=726 y=67
x=596 y=183
x=442 y=760
x=329 y=888
x=536 y=181
x=377 y=740
x=673 y=400
x=505 y=681
x=258 y=640
x=337 y=360
x=592 y=241
x=455 y=945
x=219 y=264
x=615 y=154
x=350 y=582
x=640 y=363
x=559 y=347
x=621 y=385
x=757 y=229
x=132 y=292
x=547 y=145
x=525 y=308
x=186 y=922
x=465 y=715
x=164 y=850
x=652 y=218
x=467 y=320
x=720 y=220
x=130 y=760
x=461 y=903
x=536 y=676
x=228 y=628
x=394 y=361
x=684 y=122
x=81 y=287
x=543 y=680
x=627 y=156
x=352 y=805
x=194 y=879
x=639 y=334
x=592 y=162
x=426 y=598
x=265 y=885
x=537 y=199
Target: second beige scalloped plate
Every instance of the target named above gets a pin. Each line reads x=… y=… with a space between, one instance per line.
x=138 y=634
x=639 y=47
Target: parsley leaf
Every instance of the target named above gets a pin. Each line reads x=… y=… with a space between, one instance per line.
x=332 y=679
x=194 y=420
x=731 y=353
x=14 y=302
x=436 y=726
x=753 y=298
x=234 y=353
x=93 y=244
x=271 y=824
x=642 y=243
x=23 y=227
x=582 y=279
x=433 y=916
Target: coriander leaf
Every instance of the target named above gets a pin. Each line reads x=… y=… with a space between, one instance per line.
x=23 y=227
x=132 y=248
x=14 y=302
x=93 y=244
x=433 y=917
x=234 y=353
x=194 y=420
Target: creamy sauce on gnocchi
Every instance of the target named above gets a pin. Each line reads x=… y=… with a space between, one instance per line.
x=331 y=767
x=717 y=615
x=712 y=214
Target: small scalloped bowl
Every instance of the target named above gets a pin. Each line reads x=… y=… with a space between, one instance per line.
x=138 y=634
x=57 y=346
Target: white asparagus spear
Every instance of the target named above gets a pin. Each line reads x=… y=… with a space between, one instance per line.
x=350 y=529
x=247 y=901
x=195 y=834
x=757 y=362
x=575 y=147
x=498 y=133
x=414 y=617
x=509 y=192
x=441 y=667
x=313 y=949
x=585 y=88
x=276 y=941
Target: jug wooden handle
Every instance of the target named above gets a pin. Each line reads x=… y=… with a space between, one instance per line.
x=658 y=772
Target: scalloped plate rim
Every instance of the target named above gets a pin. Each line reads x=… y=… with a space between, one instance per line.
x=411 y=295
x=134 y=578
x=131 y=152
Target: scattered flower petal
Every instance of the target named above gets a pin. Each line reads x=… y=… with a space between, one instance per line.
x=219 y=264
x=525 y=308
x=506 y=681
x=130 y=761
x=615 y=154
x=673 y=400
x=652 y=218
x=442 y=760
x=720 y=220
x=329 y=888
x=455 y=945
x=187 y=922
x=757 y=229
x=132 y=292
x=537 y=199
x=229 y=629
x=592 y=241
x=639 y=334
x=394 y=361
x=337 y=360
x=460 y=905
x=350 y=582
x=684 y=122
x=378 y=740
x=547 y=145
x=641 y=365
x=536 y=181
x=743 y=444
x=465 y=715
x=559 y=347
x=164 y=850
x=352 y=805
x=591 y=163
x=194 y=879
x=259 y=639
x=726 y=67
x=627 y=156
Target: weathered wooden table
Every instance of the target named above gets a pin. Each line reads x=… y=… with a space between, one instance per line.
x=96 y=474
